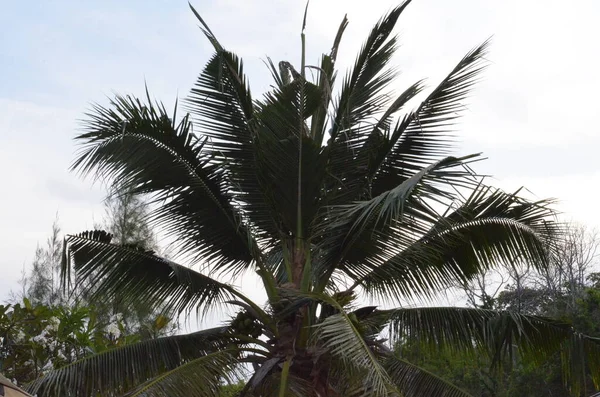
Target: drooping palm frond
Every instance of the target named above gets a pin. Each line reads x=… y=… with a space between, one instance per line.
x=202 y=377
x=580 y=353
x=138 y=145
x=115 y=371
x=498 y=333
x=128 y=274
x=489 y=228
x=414 y=381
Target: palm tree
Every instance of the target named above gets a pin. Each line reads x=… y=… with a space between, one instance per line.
x=326 y=195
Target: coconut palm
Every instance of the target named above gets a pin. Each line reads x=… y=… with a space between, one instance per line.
x=325 y=193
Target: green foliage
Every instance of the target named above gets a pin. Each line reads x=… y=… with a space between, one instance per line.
x=232 y=390
x=35 y=339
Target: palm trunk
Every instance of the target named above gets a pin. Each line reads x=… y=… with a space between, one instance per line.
x=298 y=261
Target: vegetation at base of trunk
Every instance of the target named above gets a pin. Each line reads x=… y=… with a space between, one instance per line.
x=326 y=188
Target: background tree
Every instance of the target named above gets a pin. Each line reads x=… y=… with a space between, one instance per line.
x=323 y=197
x=126 y=219
x=482 y=289
x=41 y=283
x=576 y=259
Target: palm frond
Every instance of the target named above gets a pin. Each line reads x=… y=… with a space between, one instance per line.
x=137 y=145
x=282 y=136
x=112 y=372
x=222 y=105
x=489 y=228
x=361 y=94
x=368 y=221
x=424 y=135
x=202 y=377
x=130 y=274
x=341 y=336
x=351 y=165
x=414 y=381
x=275 y=73
x=580 y=353
x=417 y=141
x=326 y=83
x=382 y=127
x=389 y=206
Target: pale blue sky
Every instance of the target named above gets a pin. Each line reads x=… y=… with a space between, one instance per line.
x=533 y=115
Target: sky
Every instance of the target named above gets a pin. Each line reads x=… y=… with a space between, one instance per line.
x=533 y=115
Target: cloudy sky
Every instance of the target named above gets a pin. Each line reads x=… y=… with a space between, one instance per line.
x=533 y=115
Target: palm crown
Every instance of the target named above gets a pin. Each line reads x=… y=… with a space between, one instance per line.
x=324 y=192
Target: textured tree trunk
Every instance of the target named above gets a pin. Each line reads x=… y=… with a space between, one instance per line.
x=298 y=261
x=322 y=387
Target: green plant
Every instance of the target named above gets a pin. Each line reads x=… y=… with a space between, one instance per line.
x=35 y=338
